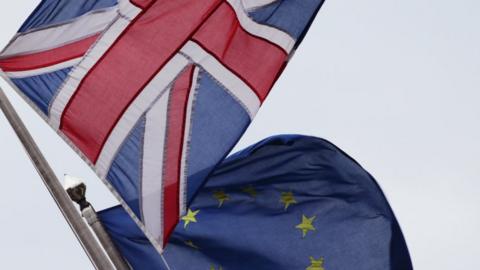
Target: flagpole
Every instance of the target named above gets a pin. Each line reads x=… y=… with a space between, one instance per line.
x=87 y=240
x=113 y=253
x=77 y=191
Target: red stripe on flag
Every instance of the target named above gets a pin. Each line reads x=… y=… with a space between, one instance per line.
x=141 y=3
x=142 y=50
x=254 y=59
x=177 y=110
x=49 y=57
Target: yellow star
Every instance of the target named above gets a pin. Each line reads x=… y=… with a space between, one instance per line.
x=306 y=225
x=250 y=190
x=316 y=264
x=190 y=244
x=287 y=199
x=221 y=196
x=213 y=268
x=190 y=217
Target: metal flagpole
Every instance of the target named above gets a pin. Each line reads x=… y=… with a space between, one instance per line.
x=77 y=191
x=113 y=253
x=80 y=229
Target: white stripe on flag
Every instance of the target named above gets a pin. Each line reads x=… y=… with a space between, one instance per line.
x=237 y=88
x=253 y=4
x=282 y=39
x=80 y=71
x=128 y=10
x=59 y=35
x=151 y=201
x=139 y=106
x=186 y=143
x=35 y=72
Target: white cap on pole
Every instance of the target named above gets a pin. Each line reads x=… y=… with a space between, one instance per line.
x=71 y=181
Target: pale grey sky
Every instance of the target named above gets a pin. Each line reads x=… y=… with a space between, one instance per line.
x=393 y=83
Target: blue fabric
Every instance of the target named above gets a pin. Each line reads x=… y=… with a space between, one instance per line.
x=50 y=12
x=125 y=172
x=135 y=246
x=218 y=122
x=291 y=16
x=42 y=88
x=353 y=226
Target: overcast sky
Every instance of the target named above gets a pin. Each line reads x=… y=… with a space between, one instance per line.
x=393 y=83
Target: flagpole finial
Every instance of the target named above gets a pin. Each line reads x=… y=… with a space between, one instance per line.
x=77 y=190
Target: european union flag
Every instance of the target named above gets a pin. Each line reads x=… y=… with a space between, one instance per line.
x=288 y=202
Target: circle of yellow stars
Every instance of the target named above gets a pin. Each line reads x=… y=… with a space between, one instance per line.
x=306 y=225
x=190 y=217
x=221 y=196
x=250 y=190
x=316 y=264
x=191 y=244
x=286 y=198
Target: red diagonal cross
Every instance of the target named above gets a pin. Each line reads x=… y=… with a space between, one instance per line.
x=140 y=52
x=153 y=38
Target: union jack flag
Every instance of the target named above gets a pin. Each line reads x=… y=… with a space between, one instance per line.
x=153 y=94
